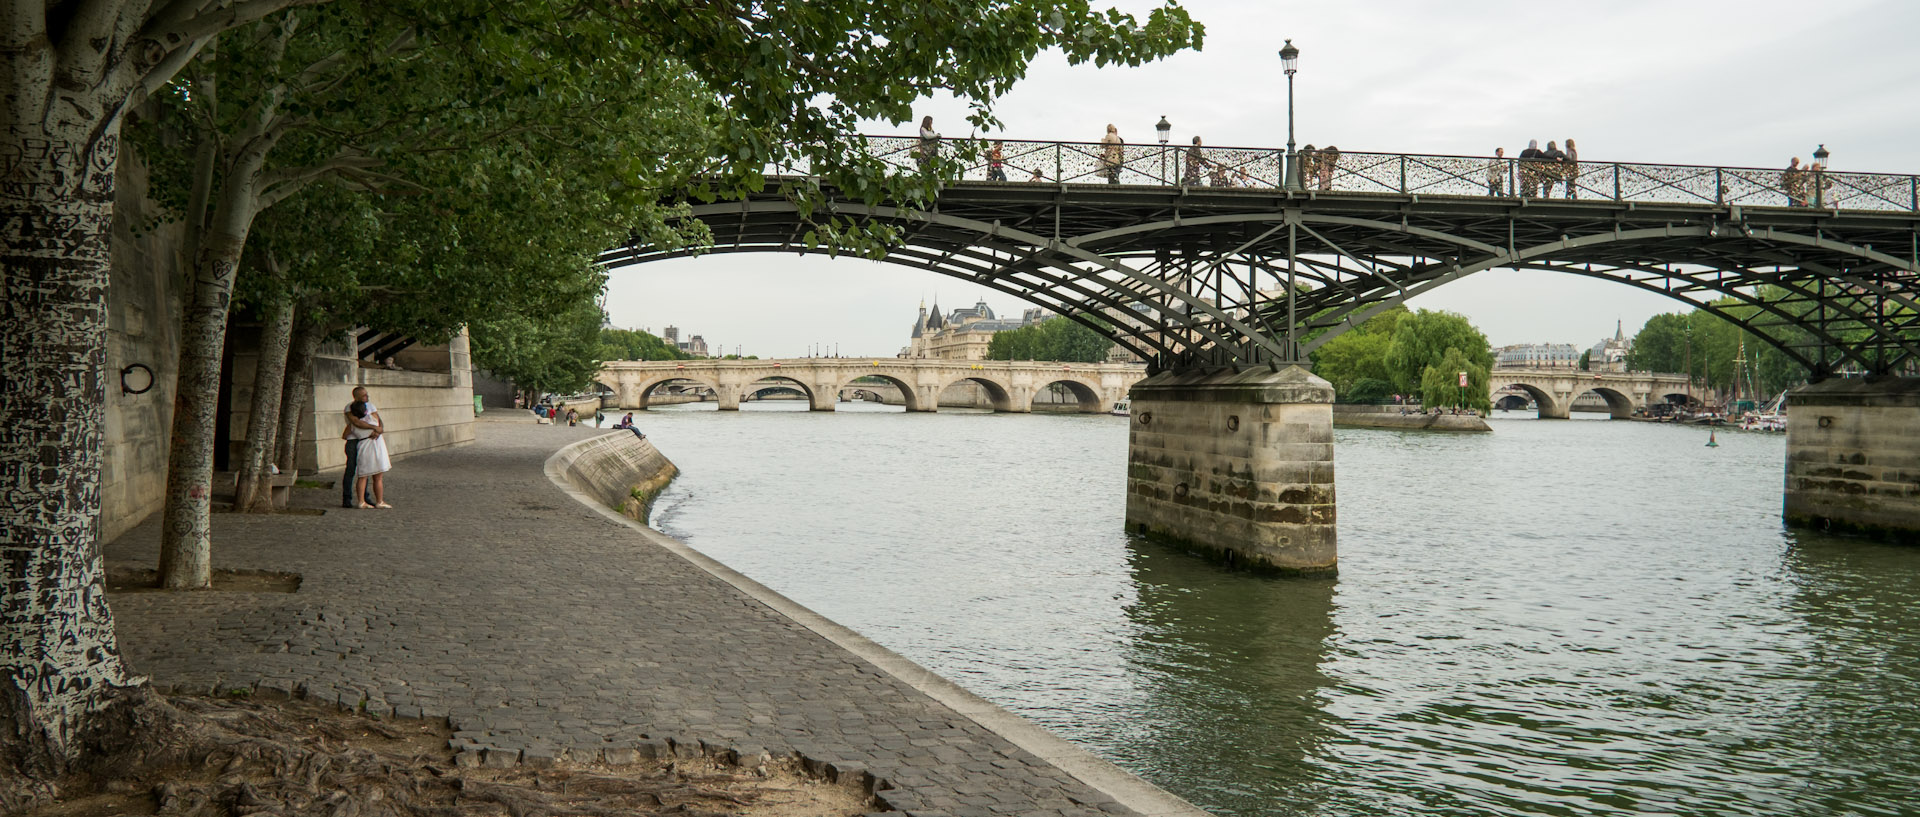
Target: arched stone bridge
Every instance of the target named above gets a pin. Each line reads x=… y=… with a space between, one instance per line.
x=1554 y=390
x=1010 y=385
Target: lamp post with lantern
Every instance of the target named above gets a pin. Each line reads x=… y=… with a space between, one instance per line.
x=1165 y=128
x=1290 y=61
x=1820 y=156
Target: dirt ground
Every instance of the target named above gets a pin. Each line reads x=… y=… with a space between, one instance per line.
x=257 y=758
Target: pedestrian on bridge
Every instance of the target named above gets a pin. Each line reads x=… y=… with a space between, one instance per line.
x=1497 y=172
x=1572 y=170
x=1329 y=158
x=929 y=143
x=1530 y=169
x=1793 y=182
x=1308 y=163
x=996 y=163
x=1553 y=168
x=1113 y=157
x=1196 y=159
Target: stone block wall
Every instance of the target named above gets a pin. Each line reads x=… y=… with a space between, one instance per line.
x=618 y=469
x=143 y=309
x=1853 y=456
x=423 y=410
x=1239 y=463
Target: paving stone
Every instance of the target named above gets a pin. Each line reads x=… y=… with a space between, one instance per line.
x=490 y=599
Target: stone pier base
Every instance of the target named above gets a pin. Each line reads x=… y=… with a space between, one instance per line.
x=1853 y=456
x=1237 y=463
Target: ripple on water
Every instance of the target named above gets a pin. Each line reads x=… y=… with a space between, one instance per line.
x=1556 y=618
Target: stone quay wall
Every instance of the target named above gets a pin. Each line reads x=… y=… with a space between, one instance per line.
x=1347 y=415
x=619 y=470
x=1853 y=456
x=143 y=330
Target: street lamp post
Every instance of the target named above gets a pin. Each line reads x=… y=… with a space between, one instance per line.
x=1165 y=128
x=1820 y=156
x=1290 y=60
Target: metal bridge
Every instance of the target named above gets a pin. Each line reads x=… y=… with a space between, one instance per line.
x=1198 y=256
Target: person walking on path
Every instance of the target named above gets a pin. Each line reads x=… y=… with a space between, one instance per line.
x=1530 y=169
x=929 y=143
x=996 y=162
x=358 y=431
x=573 y=417
x=1196 y=159
x=371 y=461
x=1552 y=165
x=1113 y=156
x=1497 y=173
x=1572 y=170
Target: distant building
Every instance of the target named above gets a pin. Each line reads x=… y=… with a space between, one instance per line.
x=1538 y=356
x=965 y=334
x=672 y=335
x=1610 y=354
x=696 y=346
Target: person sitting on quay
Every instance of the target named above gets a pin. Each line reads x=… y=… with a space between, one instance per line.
x=627 y=423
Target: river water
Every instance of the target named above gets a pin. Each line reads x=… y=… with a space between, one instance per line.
x=1559 y=618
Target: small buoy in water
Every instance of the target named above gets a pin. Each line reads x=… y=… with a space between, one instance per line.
x=1711 y=442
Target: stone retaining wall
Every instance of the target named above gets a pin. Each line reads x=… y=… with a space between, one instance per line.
x=620 y=470
x=1370 y=416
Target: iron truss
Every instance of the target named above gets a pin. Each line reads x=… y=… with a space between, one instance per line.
x=1184 y=274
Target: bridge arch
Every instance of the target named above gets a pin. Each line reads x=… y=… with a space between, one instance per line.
x=908 y=395
x=1546 y=405
x=640 y=394
x=1619 y=405
x=761 y=386
x=1000 y=394
x=1086 y=393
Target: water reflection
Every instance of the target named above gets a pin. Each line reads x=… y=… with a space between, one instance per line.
x=1229 y=666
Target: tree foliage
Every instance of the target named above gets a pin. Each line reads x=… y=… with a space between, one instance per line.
x=1357 y=355
x=1422 y=338
x=1051 y=339
x=1440 y=382
x=560 y=355
x=633 y=344
x=1710 y=349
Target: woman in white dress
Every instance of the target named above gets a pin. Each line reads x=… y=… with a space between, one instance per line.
x=372 y=463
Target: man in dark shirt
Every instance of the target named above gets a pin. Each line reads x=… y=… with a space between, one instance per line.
x=1530 y=169
x=1552 y=161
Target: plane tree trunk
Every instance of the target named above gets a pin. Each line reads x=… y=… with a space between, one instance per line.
x=297 y=389
x=254 y=493
x=59 y=662
x=186 y=528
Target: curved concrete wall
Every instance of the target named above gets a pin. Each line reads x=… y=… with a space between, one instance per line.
x=622 y=471
x=1358 y=416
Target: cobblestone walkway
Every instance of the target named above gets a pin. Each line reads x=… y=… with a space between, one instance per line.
x=542 y=629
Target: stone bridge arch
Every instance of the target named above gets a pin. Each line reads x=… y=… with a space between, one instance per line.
x=1547 y=405
x=1004 y=396
x=1089 y=392
x=909 y=391
x=1619 y=405
x=638 y=394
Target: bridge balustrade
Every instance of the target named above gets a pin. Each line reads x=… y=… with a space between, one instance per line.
x=1412 y=174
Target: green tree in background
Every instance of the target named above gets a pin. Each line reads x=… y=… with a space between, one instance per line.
x=1440 y=382
x=633 y=344
x=559 y=355
x=1355 y=362
x=1051 y=339
x=1422 y=339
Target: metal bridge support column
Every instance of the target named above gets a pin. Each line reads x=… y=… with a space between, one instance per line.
x=1239 y=463
x=1853 y=456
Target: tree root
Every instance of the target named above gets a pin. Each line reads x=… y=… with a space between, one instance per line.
x=199 y=757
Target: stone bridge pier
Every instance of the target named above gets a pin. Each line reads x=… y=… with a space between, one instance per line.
x=1853 y=456
x=1237 y=461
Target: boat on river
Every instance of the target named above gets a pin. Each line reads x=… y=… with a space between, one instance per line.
x=1122 y=408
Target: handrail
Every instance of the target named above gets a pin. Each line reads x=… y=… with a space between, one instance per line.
x=1510 y=178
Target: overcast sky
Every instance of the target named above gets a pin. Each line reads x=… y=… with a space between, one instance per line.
x=1748 y=83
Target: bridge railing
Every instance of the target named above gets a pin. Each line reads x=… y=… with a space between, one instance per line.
x=1404 y=173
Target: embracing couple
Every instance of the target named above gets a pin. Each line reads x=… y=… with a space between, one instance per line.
x=364 y=484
